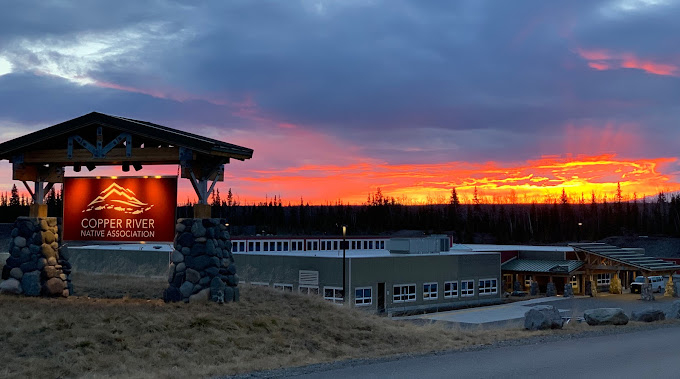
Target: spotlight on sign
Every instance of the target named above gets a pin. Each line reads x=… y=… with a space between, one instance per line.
x=76 y=167
x=126 y=166
x=137 y=166
x=90 y=166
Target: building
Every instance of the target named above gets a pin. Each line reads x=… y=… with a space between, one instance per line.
x=409 y=276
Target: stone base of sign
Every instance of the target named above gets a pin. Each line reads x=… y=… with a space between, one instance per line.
x=202 y=266
x=36 y=265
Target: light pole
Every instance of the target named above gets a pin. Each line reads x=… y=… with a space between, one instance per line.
x=344 y=247
x=578 y=233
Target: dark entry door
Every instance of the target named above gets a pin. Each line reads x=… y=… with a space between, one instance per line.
x=381 y=297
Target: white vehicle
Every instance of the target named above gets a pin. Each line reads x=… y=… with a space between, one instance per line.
x=658 y=284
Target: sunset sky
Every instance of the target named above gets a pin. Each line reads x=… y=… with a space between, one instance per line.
x=520 y=99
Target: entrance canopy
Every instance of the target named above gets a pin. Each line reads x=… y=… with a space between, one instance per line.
x=600 y=256
x=98 y=139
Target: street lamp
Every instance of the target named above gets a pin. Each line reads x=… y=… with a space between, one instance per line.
x=578 y=233
x=344 y=247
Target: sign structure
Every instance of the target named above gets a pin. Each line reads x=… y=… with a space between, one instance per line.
x=124 y=209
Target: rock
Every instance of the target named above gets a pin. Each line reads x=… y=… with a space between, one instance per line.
x=217 y=290
x=172 y=294
x=51 y=272
x=30 y=283
x=54 y=287
x=229 y=294
x=52 y=221
x=177 y=257
x=13 y=262
x=193 y=276
x=232 y=280
x=212 y=272
x=178 y=280
x=568 y=290
x=198 y=263
x=674 y=312
x=210 y=248
x=542 y=317
x=48 y=251
x=48 y=237
x=201 y=296
x=14 y=233
x=186 y=251
x=51 y=261
x=648 y=315
x=550 y=290
x=29 y=266
x=204 y=282
x=64 y=253
x=171 y=272
x=19 y=241
x=186 y=239
x=180 y=267
x=200 y=240
x=197 y=229
x=16 y=273
x=11 y=286
x=43 y=224
x=197 y=249
x=179 y=228
x=231 y=269
x=605 y=316
x=186 y=289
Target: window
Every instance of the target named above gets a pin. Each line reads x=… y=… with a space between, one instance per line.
x=404 y=292
x=279 y=246
x=467 y=288
x=266 y=246
x=257 y=246
x=574 y=282
x=316 y=245
x=323 y=245
x=362 y=296
x=527 y=281
x=300 y=245
x=242 y=246
x=370 y=244
x=603 y=279
x=488 y=286
x=234 y=246
x=283 y=287
x=251 y=246
x=272 y=246
x=382 y=244
x=309 y=290
x=365 y=245
x=450 y=289
x=333 y=294
x=285 y=246
x=335 y=245
x=354 y=245
x=430 y=291
x=309 y=245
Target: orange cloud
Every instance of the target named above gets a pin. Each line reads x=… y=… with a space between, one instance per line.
x=601 y=60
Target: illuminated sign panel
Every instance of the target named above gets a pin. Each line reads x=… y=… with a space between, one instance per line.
x=123 y=209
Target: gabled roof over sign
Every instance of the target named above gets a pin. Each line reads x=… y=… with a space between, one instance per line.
x=49 y=145
x=541 y=265
x=628 y=257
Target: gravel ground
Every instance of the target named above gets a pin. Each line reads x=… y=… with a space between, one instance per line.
x=628 y=302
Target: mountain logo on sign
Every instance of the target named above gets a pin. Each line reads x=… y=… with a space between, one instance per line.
x=119 y=199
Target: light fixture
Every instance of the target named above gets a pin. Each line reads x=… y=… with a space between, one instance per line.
x=126 y=166
x=137 y=166
x=90 y=166
x=76 y=167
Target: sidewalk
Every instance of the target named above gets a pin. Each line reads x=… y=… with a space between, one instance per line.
x=494 y=315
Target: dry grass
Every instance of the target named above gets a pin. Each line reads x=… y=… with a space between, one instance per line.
x=267 y=329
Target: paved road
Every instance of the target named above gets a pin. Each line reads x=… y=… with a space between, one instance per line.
x=647 y=354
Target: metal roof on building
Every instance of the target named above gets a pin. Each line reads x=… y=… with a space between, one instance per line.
x=500 y=248
x=632 y=257
x=540 y=265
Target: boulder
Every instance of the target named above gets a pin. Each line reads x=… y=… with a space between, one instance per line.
x=186 y=289
x=178 y=279
x=232 y=280
x=229 y=294
x=172 y=294
x=212 y=271
x=231 y=269
x=19 y=241
x=47 y=251
x=179 y=228
x=648 y=315
x=30 y=283
x=177 y=256
x=181 y=267
x=48 y=237
x=16 y=273
x=542 y=317
x=217 y=290
x=192 y=276
x=55 y=287
x=674 y=312
x=201 y=296
x=205 y=281
x=185 y=239
x=11 y=286
x=605 y=316
x=29 y=266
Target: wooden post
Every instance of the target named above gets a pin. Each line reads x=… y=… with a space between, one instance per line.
x=37 y=210
x=202 y=210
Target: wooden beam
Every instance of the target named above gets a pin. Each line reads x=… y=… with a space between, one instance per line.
x=607 y=268
x=163 y=155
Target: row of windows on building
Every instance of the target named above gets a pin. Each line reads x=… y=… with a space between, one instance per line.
x=401 y=293
x=299 y=245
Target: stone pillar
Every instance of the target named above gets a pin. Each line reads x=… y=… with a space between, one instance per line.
x=533 y=291
x=588 y=291
x=517 y=286
x=676 y=291
x=615 y=285
x=36 y=265
x=568 y=290
x=550 y=289
x=202 y=266
x=670 y=288
x=647 y=293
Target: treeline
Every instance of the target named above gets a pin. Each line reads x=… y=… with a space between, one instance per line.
x=558 y=220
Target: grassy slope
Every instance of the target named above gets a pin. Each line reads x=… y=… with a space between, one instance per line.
x=140 y=336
